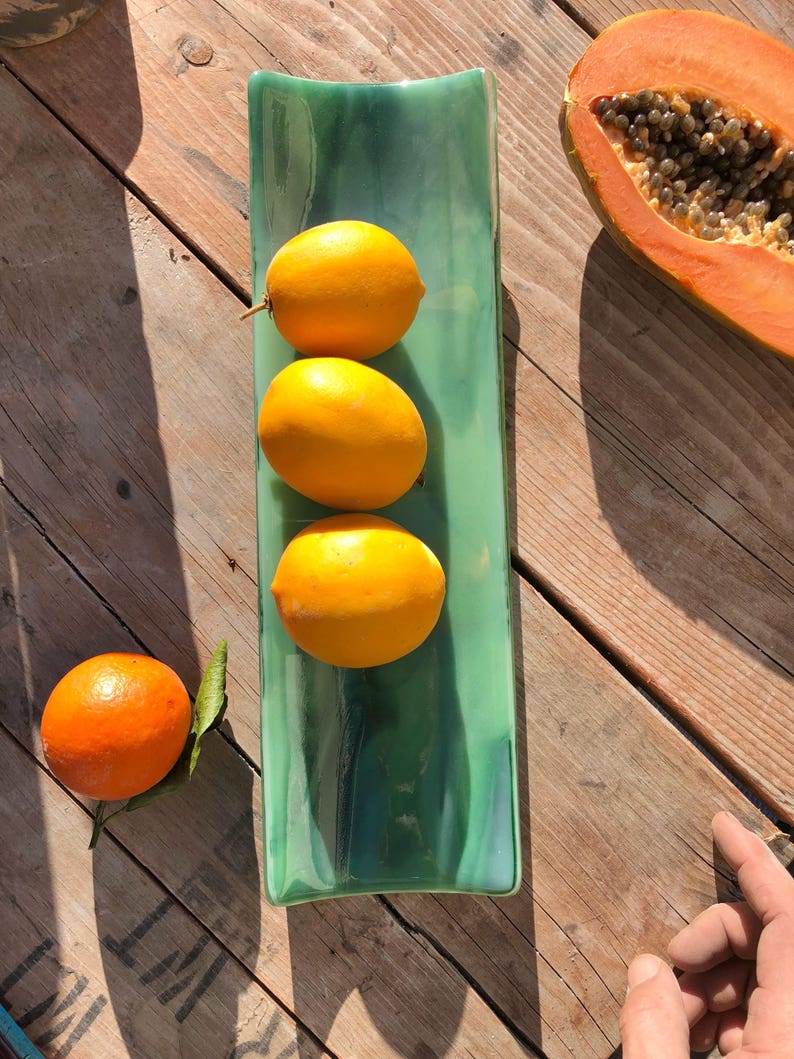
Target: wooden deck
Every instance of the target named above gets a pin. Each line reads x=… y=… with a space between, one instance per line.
x=651 y=459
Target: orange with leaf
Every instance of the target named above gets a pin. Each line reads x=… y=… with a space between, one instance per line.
x=121 y=726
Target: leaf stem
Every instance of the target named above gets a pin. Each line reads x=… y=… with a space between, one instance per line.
x=99 y=823
x=100 y=820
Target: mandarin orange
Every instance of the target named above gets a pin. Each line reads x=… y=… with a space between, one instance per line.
x=115 y=725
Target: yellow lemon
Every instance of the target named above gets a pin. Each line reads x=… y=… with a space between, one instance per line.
x=341 y=433
x=358 y=590
x=343 y=289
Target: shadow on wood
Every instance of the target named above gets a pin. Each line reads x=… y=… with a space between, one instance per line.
x=184 y=977
x=84 y=473
x=709 y=419
x=528 y=1026
x=691 y=434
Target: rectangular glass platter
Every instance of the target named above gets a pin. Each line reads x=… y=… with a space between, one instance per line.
x=400 y=777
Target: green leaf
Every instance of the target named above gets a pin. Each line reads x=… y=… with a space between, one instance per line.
x=210 y=707
x=211 y=700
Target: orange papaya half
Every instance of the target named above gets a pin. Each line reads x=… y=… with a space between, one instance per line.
x=680 y=128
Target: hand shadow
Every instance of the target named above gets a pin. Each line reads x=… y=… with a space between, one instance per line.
x=83 y=460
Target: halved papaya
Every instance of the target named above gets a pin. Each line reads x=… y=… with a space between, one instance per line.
x=680 y=127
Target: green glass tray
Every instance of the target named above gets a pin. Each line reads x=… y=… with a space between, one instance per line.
x=399 y=777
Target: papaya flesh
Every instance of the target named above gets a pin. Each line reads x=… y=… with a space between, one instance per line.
x=680 y=128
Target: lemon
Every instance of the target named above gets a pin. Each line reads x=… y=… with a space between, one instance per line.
x=342 y=289
x=341 y=433
x=358 y=590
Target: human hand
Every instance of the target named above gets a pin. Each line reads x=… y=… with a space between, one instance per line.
x=737 y=989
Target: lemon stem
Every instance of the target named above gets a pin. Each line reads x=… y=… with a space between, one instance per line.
x=266 y=304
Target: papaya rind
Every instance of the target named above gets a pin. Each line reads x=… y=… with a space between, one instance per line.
x=678 y=283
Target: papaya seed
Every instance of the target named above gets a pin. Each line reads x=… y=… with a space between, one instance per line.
x=735 y=157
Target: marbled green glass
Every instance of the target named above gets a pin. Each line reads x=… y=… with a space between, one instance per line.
x=403 y=776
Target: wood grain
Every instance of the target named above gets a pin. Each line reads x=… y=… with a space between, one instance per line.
x=669 y=538
x=634 y=540
x=613 y=789
x=125 y=404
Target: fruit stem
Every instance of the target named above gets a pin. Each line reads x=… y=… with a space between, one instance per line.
x=266 y=304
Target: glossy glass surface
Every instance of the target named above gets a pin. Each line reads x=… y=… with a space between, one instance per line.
x=400 y=777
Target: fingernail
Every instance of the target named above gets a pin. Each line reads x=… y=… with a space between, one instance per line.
x=643 y=969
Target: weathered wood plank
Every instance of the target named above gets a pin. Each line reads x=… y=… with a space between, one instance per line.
x=126 y=428
x=98 y=959
x=624 y=545
x=669 y=534
x=615 y=810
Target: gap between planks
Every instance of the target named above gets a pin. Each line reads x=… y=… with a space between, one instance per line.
x=635 y=679
x=577 y=16
x=669 y=484
x=437 y=947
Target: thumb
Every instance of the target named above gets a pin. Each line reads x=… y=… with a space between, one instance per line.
x=653 y=1024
